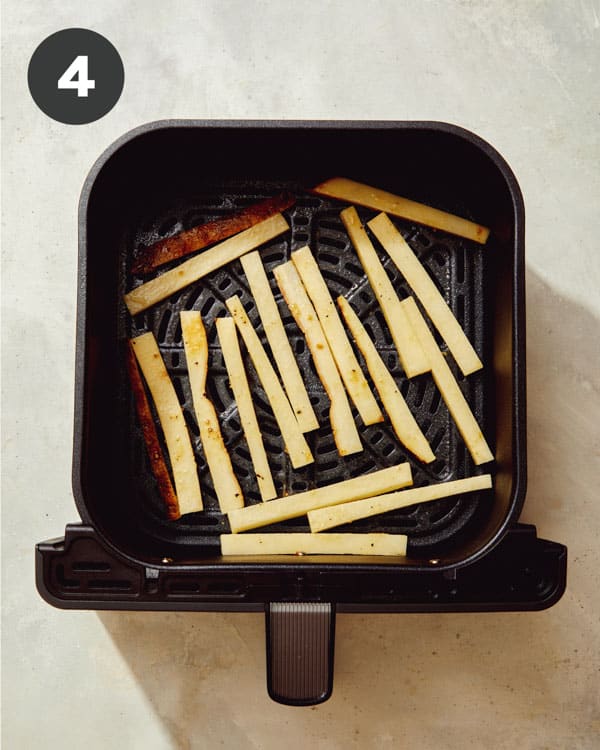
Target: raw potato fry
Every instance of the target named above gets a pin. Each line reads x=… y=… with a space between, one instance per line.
x=279 y=342
x=448 y=387
x=345 y=434
x=422 y=285
x=183 y=463
x=380 y=200
x=412 y=357
x=292 y=506
x=405 y=426
x=155 y=453
x=327 y=518
x=227 y=488
x=294 y=440
x=238 y=381
x=191 y=270
x=313 y=544
x=201 y=236
x=347 y=364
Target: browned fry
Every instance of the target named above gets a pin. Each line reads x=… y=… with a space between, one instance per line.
x=196 y=238
x=155 y=453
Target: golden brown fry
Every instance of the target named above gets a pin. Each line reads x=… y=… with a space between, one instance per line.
x=199 y=237
x=158 y=464
x=363 y=195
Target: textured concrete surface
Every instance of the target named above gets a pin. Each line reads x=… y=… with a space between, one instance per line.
x=524 y=75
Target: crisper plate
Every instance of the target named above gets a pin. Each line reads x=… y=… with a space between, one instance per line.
x=458 y=268
x=170 y=176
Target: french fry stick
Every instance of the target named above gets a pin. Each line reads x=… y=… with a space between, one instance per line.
x=345 y=433
x=155 y=452
x=227 y=488
x=407 y=345
x=294 y=440
x=279 y=342
x=422 y=285
x=168 y=408
x=313 y=544
x=347 y=364
x=238 y=381
x=449 y=388
x=292 y=506
x=327 y=518
x=405 y=426
x=189 y=241
x=191 y=270
x=363 y=195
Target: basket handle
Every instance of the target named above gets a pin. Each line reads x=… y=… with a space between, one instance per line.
x=300 y=644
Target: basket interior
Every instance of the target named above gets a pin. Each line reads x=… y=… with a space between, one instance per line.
x=173 y=178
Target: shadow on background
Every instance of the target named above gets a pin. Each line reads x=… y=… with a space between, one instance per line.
x=453 y=680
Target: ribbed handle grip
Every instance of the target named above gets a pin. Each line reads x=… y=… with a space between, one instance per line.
x=300 y=641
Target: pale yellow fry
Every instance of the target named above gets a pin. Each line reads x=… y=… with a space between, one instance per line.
x=327 y=518
x=292 y=506
x=345 y=433
x=170 y=415
x=313 y=544
x=348 y=366
x=186 y=273
x=449 y=388
x=380 y=200
x=294 y=440
x=279 y=342
x=238 y=381
x=227 y=488
x=422 y=285
x=409 y=350
x=405 y=426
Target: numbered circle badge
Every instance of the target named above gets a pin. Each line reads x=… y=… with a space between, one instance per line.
x=76 y=76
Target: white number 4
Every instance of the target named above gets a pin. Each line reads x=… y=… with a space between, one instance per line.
x=76 y=77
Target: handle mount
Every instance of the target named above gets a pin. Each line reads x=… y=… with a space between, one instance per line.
x=300 y=644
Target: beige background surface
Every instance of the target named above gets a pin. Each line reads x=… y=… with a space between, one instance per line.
x=523 y=75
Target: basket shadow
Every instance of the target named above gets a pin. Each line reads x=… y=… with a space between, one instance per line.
x=445 y=679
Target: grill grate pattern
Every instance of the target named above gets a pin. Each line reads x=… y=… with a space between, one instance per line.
x=456 y=267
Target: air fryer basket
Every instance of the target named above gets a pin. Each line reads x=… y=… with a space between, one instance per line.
x=171 y=175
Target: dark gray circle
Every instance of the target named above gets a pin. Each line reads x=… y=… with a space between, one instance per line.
x=53 y=58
